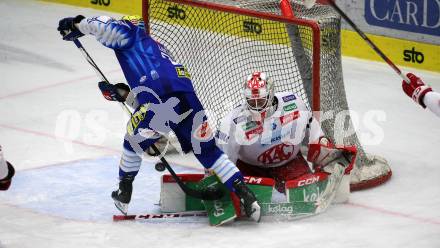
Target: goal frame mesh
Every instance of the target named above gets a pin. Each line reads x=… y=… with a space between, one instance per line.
x=369 y=170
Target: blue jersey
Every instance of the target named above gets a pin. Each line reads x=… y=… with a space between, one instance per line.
x=144 y=61
x=147 y=63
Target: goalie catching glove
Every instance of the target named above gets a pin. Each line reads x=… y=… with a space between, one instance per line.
x=114 y=92
x=324 y=153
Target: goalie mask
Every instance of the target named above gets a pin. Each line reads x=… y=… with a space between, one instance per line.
x=258 y=92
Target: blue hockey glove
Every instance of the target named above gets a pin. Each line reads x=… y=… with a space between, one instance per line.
x=114 y=92
x=67 y=27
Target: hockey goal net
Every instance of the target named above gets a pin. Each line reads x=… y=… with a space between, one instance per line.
x=222 y=41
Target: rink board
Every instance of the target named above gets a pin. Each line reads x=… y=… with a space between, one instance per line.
x=403 y=52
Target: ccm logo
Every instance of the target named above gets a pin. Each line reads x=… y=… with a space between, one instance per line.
x=176 y=12
x=413 y=56
x=308 y=181
x=252 y=27
x=254 y=180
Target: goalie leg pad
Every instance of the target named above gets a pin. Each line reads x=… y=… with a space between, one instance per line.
x=343 y=191
x=223 y=210
x=173 y=199
x=321 y=186
x=262 y=187
x=307 y=188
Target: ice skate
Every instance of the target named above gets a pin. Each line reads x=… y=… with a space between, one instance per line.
x=122 y=196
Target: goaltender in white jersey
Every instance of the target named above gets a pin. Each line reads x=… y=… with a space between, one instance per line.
x=264 y=135
x=274 y=140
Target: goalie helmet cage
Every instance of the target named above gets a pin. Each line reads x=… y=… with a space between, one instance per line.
x=222 y=41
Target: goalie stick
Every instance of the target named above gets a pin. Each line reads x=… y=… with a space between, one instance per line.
x=97 y=70
x=208 y=194
x=159 y=216
x=285 y=210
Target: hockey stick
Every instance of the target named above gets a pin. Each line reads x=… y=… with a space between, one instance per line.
x=369 y=42
x=97 y=70
x=159 y=216
x=208 y=194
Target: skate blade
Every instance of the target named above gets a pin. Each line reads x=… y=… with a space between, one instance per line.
x=123 y=207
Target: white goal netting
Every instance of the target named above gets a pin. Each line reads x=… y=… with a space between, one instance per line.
x=221 y=42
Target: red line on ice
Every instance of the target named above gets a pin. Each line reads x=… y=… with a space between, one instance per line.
x=393 y=213
x=376 y=209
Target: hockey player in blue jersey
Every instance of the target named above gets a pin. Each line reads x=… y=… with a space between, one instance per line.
x=165 y=101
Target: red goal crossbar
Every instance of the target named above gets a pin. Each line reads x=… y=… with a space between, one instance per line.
x=287 y=17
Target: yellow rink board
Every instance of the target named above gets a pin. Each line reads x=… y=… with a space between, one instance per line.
x=133 y=7
x=402 y=52
x=419 y=55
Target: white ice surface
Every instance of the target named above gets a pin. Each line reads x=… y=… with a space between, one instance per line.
x=43 y=77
